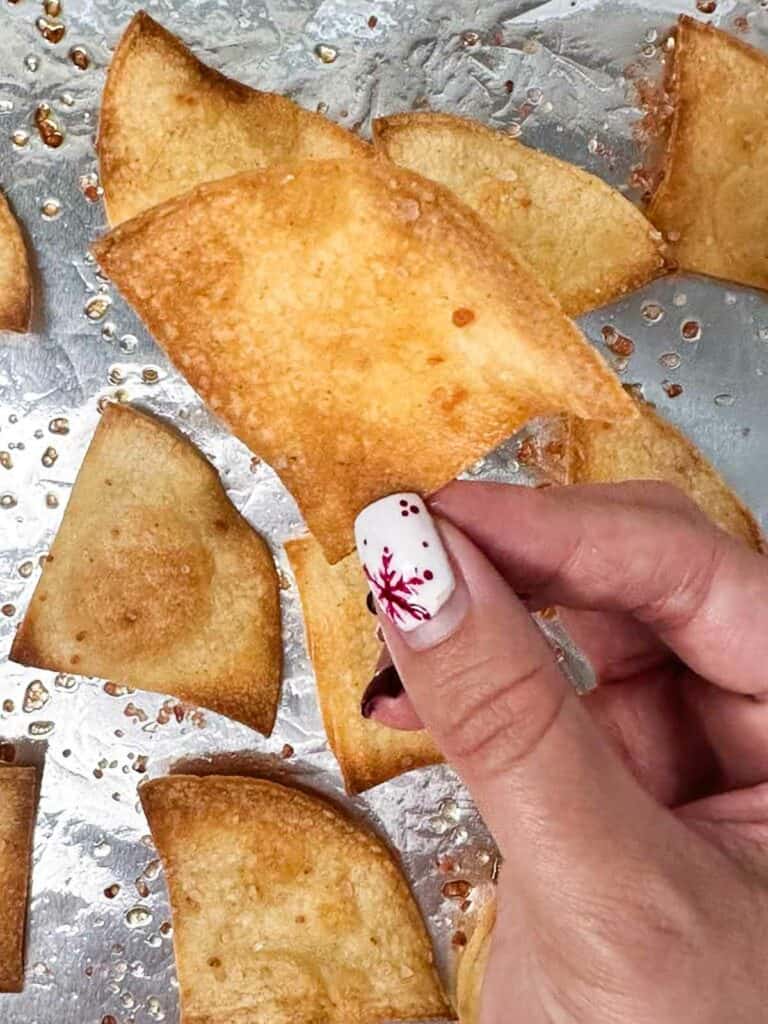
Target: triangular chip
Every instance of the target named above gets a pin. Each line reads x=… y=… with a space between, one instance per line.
x=169 y=123
x=471 y=970
x=284 y=911
x=341 y=637
x=18 y=787
x=357 y=326
x=15 y=278
x=156 y=581
x=587 y=242
x=712 y=203
x=650 y=448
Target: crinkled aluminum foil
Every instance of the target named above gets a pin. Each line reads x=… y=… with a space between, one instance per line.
x=99 y=937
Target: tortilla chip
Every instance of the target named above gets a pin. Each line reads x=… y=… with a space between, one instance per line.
x=712 y=202
x=587 y=242
x=341 y=637
x=15 y=277
x=156 y=581
x=18 y=796
x=357 y=326
x=284 y=911
x=169 y=123
x=650 y=448
x=472 y=964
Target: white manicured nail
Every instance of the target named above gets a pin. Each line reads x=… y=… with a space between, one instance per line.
x=404 y=560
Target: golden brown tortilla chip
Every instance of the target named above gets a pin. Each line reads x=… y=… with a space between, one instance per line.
x=587 y=242
x=341 y=637
x=18 y=794
x=156 y=581
x=169 y=123
x=357 y=326
x=472 y=964
x=15 y=277
x=650 y=448
x=712 y=202
x=284 y=911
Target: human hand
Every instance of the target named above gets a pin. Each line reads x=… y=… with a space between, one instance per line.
x=633 y=822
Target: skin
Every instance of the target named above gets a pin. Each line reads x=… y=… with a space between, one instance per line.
x=633 y=822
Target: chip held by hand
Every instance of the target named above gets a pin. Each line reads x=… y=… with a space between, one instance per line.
x=344 y=650
x=712 y=202
x=156 y=581
x=168 y=123
x=357 y=326
x=587 y=242
x=15 y=277
x=284 y=910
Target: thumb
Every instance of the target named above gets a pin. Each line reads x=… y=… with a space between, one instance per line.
x=484 y=681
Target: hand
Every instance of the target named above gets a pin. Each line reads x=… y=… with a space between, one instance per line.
x=633 y=822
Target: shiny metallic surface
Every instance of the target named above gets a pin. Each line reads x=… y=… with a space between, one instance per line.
x=559 y=73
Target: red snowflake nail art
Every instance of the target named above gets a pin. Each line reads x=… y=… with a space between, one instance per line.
x=394 y=592
x=395 y=536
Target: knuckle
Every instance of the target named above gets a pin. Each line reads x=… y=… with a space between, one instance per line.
x=498 y=712
x=676 y=608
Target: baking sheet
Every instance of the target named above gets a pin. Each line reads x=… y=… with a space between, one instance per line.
x=99 y=944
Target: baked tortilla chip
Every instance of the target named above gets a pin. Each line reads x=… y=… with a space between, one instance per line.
x=341 y=637
x=650 y=448
x=18 y=795
x=472 y=964
x=15 y=277
x=712 y=202
x=156 y=581
x=169 y=123
x=357 y=326
x=284 y=911
x=587 y=242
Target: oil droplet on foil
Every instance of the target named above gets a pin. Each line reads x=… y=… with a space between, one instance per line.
x=19 y=138
x=652 y=312
x=50 y=209
x=51 y=31
x=52 y=8
x=691 y=330
x=31 y=62
x=41 y=728
x=97 y=307
x=138 y=917
x=670 y=360
x=128 y=343
x=8 y=501
x=80 y=57
x=35 y=697
x=59 y=425
x=724 y=400
x=47 y=126
x=327 y=54
x=155 y=1009
x=90 y=187
x=51 y=501
x=49 y=457
x=457 y=889
x=672 y=389
x=8 y=610
x=5 y=460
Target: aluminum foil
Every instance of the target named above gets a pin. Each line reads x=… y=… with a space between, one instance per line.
x=563 y=74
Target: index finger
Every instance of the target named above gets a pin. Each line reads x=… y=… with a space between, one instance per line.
x=704 y=593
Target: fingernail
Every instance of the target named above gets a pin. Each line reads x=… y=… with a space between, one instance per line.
x=386 y=683
x=405 y=562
